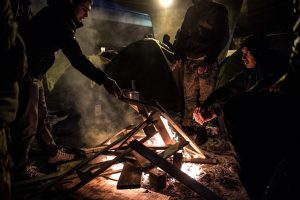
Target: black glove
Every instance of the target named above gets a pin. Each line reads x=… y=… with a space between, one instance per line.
x=112 y=87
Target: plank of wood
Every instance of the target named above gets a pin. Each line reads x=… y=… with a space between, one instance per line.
x=183 y=134
x=212 y=161
x=159 y=110
x=150 y=130
x=130 y=177
x=172 y=149
x=102 y=168
x=173 y=171
x=104 y=143
x=26 y=184
x=162 y=130
x=140 y=160
x=86 y=161
x=177 y=160
x=157 y=179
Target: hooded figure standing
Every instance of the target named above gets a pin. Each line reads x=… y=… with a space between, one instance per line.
x=203 y=35
x=51 y=29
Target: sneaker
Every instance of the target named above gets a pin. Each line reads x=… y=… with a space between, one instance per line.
x=60 y=156
x=31 y=172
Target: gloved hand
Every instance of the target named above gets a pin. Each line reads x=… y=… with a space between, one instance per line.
x=112 y=87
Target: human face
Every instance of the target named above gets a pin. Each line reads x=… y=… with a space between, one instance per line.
x=248 y=58
x=82 y=10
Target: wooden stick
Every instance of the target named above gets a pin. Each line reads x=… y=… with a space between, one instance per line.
x=98 y=172
x=130 y=177
x=69 y=172
x=173 y=171
x=212 y=161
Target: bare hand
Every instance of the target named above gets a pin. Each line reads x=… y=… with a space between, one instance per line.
x=112 y=87
x=198 y=117
x=202 y=70
x=176 y=64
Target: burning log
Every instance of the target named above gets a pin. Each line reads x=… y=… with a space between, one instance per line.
x=102 y=168
x=177 y=160
x=183 y=134
x=141 y=161
x=162 y=131
x=107 y=142
x=173 y=171
x=85 y=162
x=130 y=177
x=211 y=161
x=160 y=111
x=153 y=125
x=173 y=149
x=157 y=179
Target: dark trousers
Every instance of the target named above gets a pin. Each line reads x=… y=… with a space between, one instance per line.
x=5 y=165
x=31 y=121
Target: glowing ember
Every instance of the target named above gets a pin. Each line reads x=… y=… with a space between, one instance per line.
x=145 y=179
x=114 y=167
x=156 y=140
x=193 y=170
x=186 y=154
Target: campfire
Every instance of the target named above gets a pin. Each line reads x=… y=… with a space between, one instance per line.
x=143 y=154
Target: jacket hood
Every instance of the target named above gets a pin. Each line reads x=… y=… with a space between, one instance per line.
x=65 y=7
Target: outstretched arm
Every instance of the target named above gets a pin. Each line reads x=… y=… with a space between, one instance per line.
x=73 y=52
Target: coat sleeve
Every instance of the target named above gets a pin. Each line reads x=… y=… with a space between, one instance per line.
x=78 y=60
x=220 y=96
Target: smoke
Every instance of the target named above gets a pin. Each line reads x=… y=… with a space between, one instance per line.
x=98 y=114
x=102 y=115
x=88 y=36
x=168 y=20
x=36 y=5
x=112 y=28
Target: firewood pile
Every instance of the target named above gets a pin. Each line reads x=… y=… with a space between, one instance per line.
x=154 y=156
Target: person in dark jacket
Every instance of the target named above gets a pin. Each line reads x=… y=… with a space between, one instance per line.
x=12 y=51
x=51 y=29
x=258 y=122
x=263 y=67
x=202 y=36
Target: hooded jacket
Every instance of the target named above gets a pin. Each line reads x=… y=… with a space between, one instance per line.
x=52 y=29
x=269 y=68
